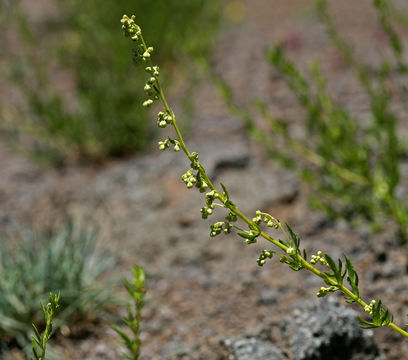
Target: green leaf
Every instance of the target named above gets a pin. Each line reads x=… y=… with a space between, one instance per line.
x=331 y=263
x=35 y=351
x=244 y=235
x=284 y=242
x=122 y=334
x=37 y=333
x=366 y=324
x=295 y=238
x=227 y=200
x=337 y=271
x=352 y=276
x=225 y=190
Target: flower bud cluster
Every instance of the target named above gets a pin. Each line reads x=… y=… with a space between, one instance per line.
x=150 y=87
x=154 y=71
x=210 y=197
x=176 y=145
x=271 y=221
x=129 y=27
x=324 y=291
x=369 y=308
x=319 y=258
x=258 y=218
x=143 y=53
x=262 y=258
x=147 y=103
x=201 y=183
x=290 y=251
x=163 y=145
x=189 y=179
x=268 y=219
x=220 y=226
x=195 y=164
x=146 y=54
x=163 y=119
x=252 y=235
x=231 y=217
x=206 y=211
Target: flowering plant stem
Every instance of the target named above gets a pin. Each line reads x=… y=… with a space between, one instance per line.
x=333 y=275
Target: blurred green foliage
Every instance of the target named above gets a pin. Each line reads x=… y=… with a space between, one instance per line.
x=64 y=262
x=100 y=114
x=353 y=165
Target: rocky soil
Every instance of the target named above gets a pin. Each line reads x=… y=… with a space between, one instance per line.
x=201 y=291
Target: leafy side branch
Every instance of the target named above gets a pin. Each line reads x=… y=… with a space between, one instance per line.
x=40 y=340
x=334 y=274
x=136 y=290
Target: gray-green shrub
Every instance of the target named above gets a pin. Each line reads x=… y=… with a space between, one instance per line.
x=64 y=262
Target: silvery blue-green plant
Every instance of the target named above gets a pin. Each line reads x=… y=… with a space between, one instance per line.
x=40 y=339
x=136 y=290
x=64 y=262
x=336 y=275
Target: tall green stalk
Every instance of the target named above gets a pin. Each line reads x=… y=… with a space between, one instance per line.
x=333 y=273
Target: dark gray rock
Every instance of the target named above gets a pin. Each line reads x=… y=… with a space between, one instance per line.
x=325 y=329
x=251 y=348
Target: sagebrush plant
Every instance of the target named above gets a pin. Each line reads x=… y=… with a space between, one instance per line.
x=353 y=164
x=334 y=273
x=136 y=290
x=92 y=112
x=64 y=262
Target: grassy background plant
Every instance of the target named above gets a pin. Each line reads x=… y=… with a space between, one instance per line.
x=64 y=262
x=353 y=165
x=96 y=114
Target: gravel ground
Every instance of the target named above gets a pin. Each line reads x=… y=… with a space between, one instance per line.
x=203 y=290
